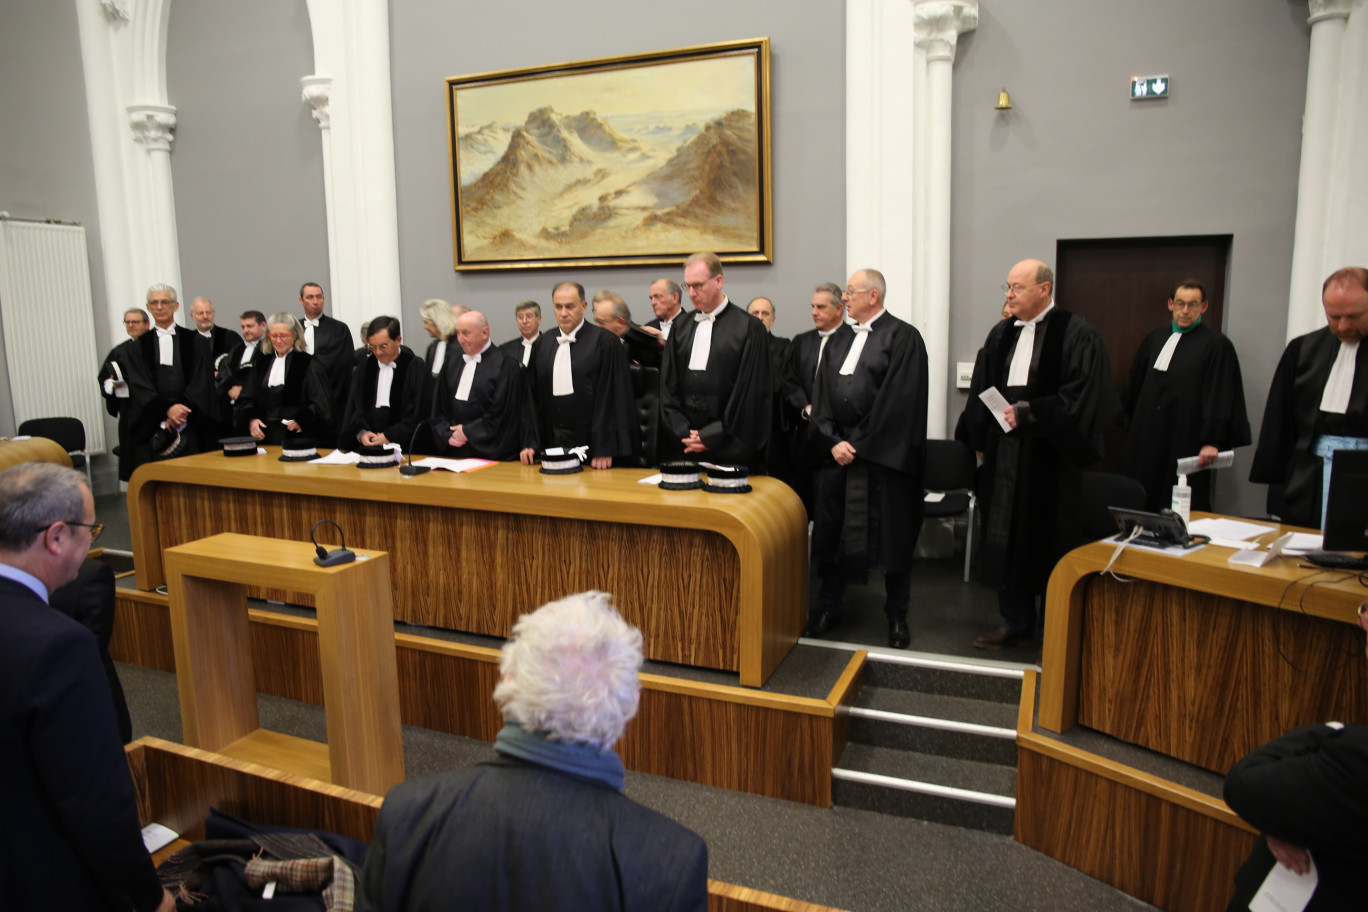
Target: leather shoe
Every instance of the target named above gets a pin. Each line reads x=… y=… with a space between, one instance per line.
x=821 y=625
x=898 y=634
x=1003 y=636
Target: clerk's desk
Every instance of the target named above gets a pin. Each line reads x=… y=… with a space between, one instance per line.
x=713 y=580
x=1198 y=658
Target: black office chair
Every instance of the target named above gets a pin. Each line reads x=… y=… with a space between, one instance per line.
x=69 y=434
x=646 y=393
x=1100 y=490
x=950 y=467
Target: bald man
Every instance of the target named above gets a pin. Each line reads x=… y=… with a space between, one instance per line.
x=1052 y=369
x=478 y=407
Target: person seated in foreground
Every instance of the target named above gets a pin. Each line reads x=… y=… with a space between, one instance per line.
x=544 y=825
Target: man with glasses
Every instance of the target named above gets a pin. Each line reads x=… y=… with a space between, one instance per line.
x=386 y=391
x=1317 y=402
x=178 y=394
x=1052 y=369
x=1183 y=397
x=715 y=379
x=71 y=838
x=869 y=415
x=118 y=366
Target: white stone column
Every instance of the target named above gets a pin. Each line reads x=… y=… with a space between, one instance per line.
x=123 y=54
x=939 y=23
x=1321 y=121
x=351 y=51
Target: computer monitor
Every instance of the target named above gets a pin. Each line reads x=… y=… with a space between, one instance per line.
x=1346 y=514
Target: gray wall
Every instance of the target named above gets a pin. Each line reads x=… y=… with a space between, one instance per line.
x=46 y=168
x=247 y=160
x=434 y=40
x=1077 y=159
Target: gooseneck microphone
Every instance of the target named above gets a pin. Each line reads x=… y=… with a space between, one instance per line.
x=336 y=556
x=408 y=469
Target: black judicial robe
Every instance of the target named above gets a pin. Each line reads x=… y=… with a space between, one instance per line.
x=1198 y=401
x=128 y=356
x=600 y=413
x=333 y=348
x=401 y=418
x=218 y=347
x=868 y=514
x=303 y=398
x=797 y=374
x=1293 y=420
x=234 y=372
x=642 y=347
x=512 y=350
x=729 y=403
x=220 y=340
x=491 y=418
x=1028 y=487
x=187 y=381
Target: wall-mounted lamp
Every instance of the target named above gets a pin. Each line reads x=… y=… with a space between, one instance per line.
x=1004 y=101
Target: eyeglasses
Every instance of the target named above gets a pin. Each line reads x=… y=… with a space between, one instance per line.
x=95 y=528
x=852 y=292
x=1187 y=305
x=282 y=337
x=1016 y=289
x=382 y=347
x=696 y=286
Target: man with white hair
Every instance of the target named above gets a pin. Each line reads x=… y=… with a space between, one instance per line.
x=544 y=825
x=478 y=409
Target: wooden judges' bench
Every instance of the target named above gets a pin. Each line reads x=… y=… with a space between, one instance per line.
x=713 y=580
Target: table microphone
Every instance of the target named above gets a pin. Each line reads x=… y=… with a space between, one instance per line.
x=408 y=469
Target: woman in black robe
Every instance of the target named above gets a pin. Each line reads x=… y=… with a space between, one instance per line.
x=287 y=391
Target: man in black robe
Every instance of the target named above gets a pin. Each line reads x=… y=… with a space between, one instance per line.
x=665 y=296
x=643 y=346
x=799 y=373
x=528 y=316
x=715 y=384
x=175 y=387
x=1318 y=401
x=1052 y=369
x=479 y=402
x=236 y=369
x=384 y=409
x=331 y=342
x=1183 y=397
x=869 y=422
x=118 y=365
x=218 y=344
x=580 y=390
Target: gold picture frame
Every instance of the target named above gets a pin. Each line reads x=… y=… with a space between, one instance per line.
x=633 y=160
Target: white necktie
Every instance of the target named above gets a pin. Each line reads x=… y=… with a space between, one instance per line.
x=527 y=351
x=467 y=377
x=1020 y=371
x=665 y=328
x=702 y=341
x=384 y=382
x=165 y=353
x=1161 y=363
x=824 y=334
x=309 y=335
x=439 y=358
x=277 y=376
x=247 y=351
x=853 y=356
x=1341 y=380
x=562 y=383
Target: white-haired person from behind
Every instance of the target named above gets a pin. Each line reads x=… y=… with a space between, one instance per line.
x=544 y=825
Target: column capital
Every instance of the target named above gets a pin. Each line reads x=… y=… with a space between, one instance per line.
x=316 y=92
x=939 y=23
x=153 y=125
x=1328 y=9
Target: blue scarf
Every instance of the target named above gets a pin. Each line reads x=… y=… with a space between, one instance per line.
x=579 y=760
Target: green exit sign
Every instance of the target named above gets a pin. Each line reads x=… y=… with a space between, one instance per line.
x=1146 y=87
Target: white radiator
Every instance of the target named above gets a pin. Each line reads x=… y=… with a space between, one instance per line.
x=49 y=321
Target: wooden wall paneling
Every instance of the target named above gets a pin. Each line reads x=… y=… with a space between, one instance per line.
x=842 y=697
x=142 y=630
x=1208 y=679
x=1166 y=854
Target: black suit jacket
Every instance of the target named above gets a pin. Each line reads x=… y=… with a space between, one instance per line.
x=89 y=601
x=333 y=348
x=510 y=835
x=1309 y=788
x=512 y=349
x=70 y=838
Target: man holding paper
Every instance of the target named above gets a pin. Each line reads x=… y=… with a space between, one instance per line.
x=1184 y=396
x=1047 y=382
x=1307 y=792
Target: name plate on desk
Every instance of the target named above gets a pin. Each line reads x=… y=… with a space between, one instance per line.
x=1252 y=557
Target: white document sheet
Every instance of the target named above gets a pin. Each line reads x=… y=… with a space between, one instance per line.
x=651 y=479
x=1254 y=557
x=1284 y=891
x=997 y=404
x=156 y=836
x=1230 y=529
x=934 y=496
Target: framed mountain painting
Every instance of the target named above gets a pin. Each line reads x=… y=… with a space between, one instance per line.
x=618 y=161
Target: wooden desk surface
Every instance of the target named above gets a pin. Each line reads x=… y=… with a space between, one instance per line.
x=1192 y=604
x=543 y=536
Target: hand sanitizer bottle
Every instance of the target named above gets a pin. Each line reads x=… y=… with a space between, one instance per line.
x=1182 y=500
